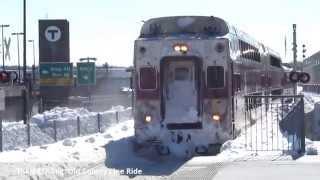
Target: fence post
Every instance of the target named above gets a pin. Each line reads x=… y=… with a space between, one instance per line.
x=78 y=126
x=99 y=122
x=55 y=130
x=28 y=134
x=1 y=148
x=117 y=116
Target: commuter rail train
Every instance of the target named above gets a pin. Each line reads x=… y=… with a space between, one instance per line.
x=190 y=76
x=311 y=65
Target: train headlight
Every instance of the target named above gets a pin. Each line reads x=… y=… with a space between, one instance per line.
x=216 y=117
x=182 y=48
x=177 y=48
x=147 y=119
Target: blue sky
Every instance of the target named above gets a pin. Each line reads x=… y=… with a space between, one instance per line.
x=106 y=29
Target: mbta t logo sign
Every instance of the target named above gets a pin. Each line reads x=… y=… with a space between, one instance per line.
x=54 y=40
x=53 y=33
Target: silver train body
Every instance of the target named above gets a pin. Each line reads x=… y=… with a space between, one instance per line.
x=190 y=77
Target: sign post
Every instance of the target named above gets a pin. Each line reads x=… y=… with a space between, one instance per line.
x=2 y=100
x=2 y=108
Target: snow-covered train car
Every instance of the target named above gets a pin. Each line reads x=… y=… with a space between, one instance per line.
x=190 y=75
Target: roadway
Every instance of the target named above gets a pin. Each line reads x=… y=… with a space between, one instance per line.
x=267 y=169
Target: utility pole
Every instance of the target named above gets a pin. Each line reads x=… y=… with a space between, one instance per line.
x=34 y=63
x=25 y=83
x=3 y=26
x=19 y=70
x=294 y=26
x=304 y=50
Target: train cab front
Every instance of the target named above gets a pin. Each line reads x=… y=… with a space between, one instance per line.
x=182 y=90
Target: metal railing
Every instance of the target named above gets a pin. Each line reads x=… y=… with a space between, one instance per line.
x=274 y=123
x=315 y=88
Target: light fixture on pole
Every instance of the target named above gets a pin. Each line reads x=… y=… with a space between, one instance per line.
x=3 y=26
x=19 y=70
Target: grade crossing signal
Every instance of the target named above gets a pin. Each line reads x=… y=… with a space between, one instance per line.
x=8 y=76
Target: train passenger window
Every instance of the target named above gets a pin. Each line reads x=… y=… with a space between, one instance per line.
x=215 y=77
x=236 y=82
x=275 y=61
x=181 y=74
x=148 y=78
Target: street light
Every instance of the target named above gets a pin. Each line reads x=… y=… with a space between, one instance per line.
x=3 y=26
x=17 y=34
x=34 y=62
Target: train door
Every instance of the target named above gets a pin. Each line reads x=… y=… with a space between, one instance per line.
x=181 y=91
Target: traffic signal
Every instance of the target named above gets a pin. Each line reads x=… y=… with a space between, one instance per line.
x=4 y=77
x=8 y=76
x=299 y=76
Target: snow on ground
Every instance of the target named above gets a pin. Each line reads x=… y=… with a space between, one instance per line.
x=85 y=148
x=65 y=121
x=64 y=158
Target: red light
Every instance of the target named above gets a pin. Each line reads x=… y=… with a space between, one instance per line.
x=4 y=77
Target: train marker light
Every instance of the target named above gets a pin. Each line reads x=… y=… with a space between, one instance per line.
x=216 y=117
x=148 y=119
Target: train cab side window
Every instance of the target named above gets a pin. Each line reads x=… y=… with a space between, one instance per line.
x=148 y=78
x=215 y=77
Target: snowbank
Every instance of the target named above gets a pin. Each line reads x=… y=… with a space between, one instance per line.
x=65 y=121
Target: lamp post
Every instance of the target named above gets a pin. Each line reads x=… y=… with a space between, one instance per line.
x=3 y=26
x=19 y=70
x=34 y=62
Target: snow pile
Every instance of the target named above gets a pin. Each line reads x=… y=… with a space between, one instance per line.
x=126 y=89
x=15 y=136
x=65 y=121
x=62 y=151
x=59 y=114
x=64 y=158
x=262 y=136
